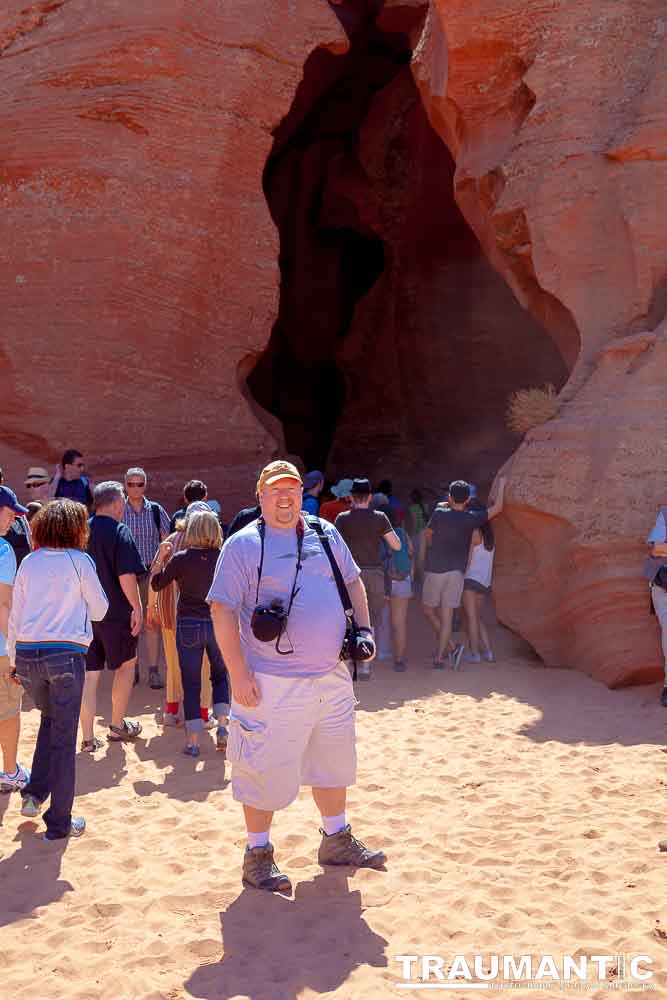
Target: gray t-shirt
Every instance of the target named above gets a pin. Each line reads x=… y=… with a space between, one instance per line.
x=316 y=625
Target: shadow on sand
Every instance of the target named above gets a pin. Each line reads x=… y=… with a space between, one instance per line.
x=274 y=946
x=30 y=877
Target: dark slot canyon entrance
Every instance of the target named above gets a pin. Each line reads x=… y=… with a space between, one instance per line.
x=396 y=344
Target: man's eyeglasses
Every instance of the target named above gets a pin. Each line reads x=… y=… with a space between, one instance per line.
x=136 y=486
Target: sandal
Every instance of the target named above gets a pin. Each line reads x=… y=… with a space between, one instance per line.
x=128 y=731
x=89 y=746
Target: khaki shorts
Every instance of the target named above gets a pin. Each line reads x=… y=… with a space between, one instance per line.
x=10 y=692
x=443 y=590
x=301 y=733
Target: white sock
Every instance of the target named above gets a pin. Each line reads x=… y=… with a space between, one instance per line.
x=333 y=824
x=258 y=839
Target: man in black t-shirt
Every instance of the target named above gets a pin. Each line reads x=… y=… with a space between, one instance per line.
x=245 y=516
x=364 y=530
x=118 y=563
x=69 y=482
x=448 y=535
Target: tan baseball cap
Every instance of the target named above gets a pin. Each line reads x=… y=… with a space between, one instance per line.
x=37 y=476
x=274 y=471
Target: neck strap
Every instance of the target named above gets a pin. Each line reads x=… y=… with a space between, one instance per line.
x=261 y=527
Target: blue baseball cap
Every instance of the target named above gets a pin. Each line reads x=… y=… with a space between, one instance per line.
x=8 y=499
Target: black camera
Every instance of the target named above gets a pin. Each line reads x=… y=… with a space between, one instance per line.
x=358 y=644
x=268 y=624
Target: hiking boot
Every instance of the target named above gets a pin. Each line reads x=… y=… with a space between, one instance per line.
x=261 y=872
x=343 y=849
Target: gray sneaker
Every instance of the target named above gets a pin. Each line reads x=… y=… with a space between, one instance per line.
x=155 y=682
x=261 y=872
x=31 y=807
x=77 y=828
x=455 y=656
x=343 y=849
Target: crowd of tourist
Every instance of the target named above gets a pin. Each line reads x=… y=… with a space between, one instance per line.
x=255 y=621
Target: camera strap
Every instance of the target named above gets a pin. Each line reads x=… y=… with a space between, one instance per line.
x=261 y=527
x=316 y=525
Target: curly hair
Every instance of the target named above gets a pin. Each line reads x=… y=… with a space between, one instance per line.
x=61 y=524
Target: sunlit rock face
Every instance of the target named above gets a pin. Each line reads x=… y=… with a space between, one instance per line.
x=139 y=258
x=556 y=118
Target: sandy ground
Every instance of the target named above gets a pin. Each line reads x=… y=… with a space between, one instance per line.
x=520 y=809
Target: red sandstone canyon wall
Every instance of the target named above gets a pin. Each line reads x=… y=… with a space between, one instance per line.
x=138 y=256
x=556 y=116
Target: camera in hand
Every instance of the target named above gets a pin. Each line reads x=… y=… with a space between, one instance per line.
x=267 y=624
x=358 y=644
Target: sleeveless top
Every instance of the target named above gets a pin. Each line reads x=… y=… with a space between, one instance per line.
x=480 y=567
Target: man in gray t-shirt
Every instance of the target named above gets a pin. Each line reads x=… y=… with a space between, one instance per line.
x=292 y=719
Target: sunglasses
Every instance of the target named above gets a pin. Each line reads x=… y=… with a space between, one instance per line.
x=34 y=486
x=137 y=486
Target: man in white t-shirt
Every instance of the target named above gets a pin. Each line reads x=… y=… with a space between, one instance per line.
x=292 y=719
x=14 y=776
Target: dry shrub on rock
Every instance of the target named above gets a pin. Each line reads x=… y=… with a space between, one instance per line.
x=527 y=408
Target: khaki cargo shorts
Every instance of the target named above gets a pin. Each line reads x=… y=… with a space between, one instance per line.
x=10 y=692
x=301 y=733
x=443 y=590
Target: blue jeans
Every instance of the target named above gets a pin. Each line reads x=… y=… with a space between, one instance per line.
x=193 y=636
x=55 y=683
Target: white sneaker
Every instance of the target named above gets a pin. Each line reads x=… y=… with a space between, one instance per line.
x=14 y=782
x=77 y=829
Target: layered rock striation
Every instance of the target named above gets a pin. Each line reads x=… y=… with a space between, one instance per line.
x=139 y=258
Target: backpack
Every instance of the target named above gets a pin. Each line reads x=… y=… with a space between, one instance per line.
x=400 y=563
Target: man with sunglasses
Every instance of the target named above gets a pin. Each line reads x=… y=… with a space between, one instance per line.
x=292 y=719
x=70 y=481
x=149 y=525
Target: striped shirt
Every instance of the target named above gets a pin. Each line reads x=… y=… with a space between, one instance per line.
x=144 y=529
